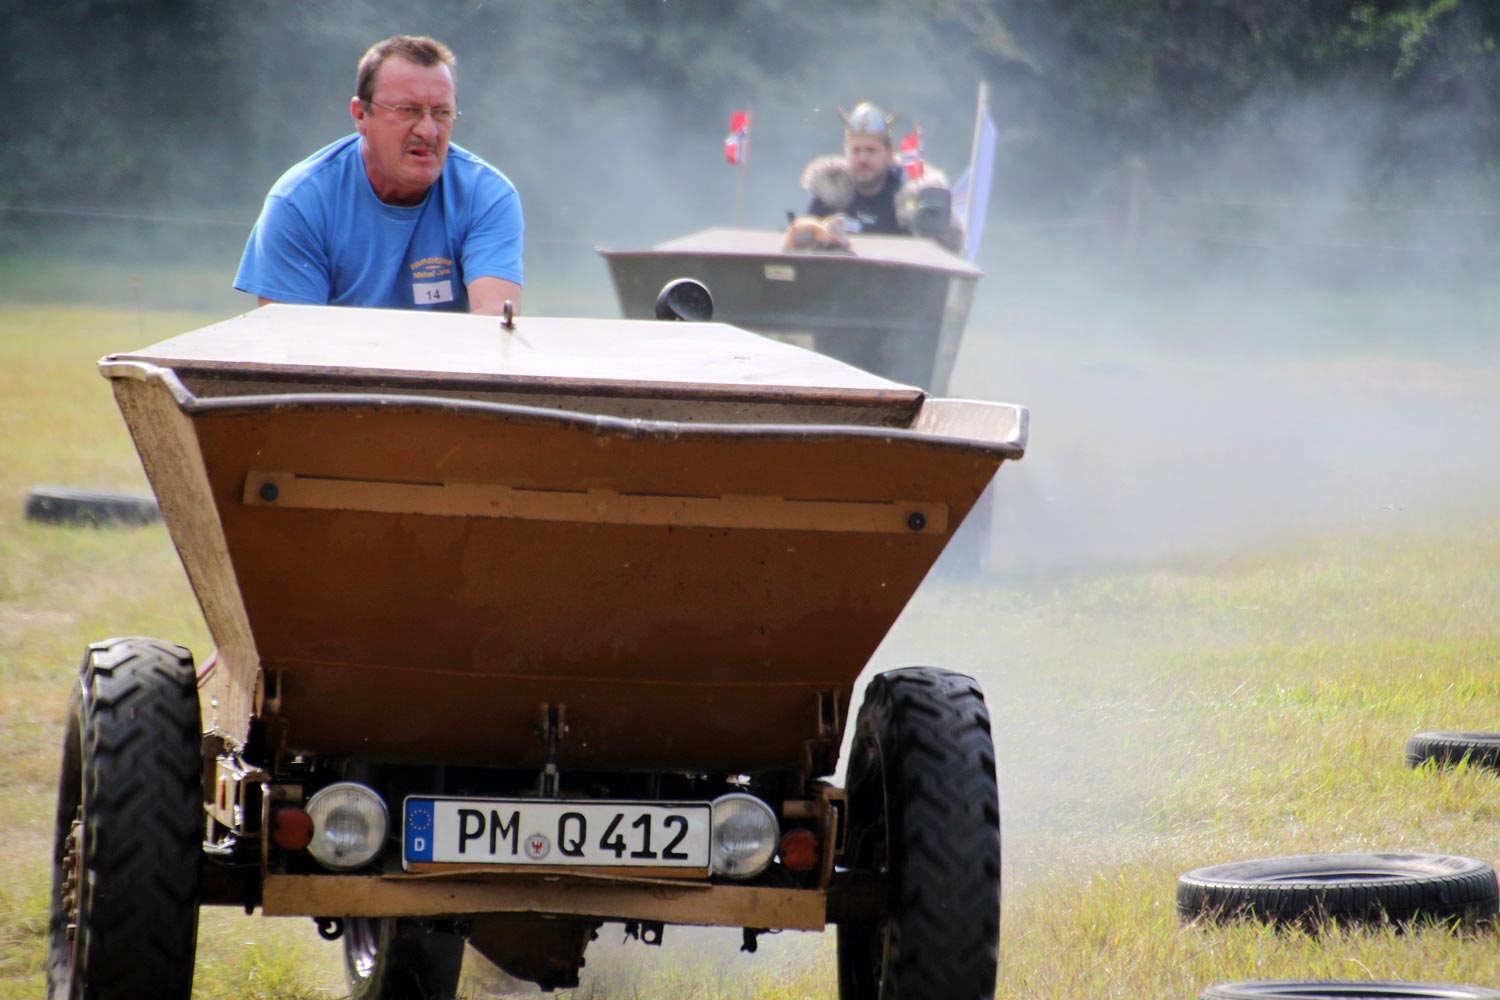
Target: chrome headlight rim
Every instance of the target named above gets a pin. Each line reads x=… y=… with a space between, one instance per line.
x=749 y=865
x=374 y=845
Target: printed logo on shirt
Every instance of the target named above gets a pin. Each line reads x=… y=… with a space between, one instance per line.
x=431 y=267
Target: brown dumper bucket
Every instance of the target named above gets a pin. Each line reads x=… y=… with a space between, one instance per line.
x=406 y=558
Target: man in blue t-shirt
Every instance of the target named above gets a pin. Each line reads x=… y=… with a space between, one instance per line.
x=393 y=216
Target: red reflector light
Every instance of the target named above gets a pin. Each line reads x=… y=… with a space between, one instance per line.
x=799 y=850
x=291 y=828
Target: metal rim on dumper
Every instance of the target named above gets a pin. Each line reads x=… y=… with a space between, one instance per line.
x=391 y=959
x=924 y=814
x=127 y=845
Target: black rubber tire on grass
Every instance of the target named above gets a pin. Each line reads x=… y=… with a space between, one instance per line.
x=129 y=827
x=90 y=508
x=1312 y=889
x=1331 y=989
x=398 y=959
x=924 y=811
x=1452 y=748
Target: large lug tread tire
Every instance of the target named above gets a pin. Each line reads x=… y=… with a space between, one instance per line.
x=398 y=959
x=1334 y=989
x=924 y=806
x=1310 y=889
x=131 y=778
x=1448 y=749
x=91 y=508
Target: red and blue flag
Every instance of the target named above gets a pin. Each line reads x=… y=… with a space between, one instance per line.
x=911 y=153
x=737 y=143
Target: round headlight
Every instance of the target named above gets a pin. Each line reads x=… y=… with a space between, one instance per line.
x=349 y=825
x=744 y=834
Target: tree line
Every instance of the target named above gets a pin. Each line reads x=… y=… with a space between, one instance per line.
x=193 y=104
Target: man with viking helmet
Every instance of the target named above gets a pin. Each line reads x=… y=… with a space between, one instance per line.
x=869 y=191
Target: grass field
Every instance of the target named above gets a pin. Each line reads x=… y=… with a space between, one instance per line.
x=1148 y=719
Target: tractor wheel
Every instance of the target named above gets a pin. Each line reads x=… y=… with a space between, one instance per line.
x=1310 y=889
x=1450 y=749
x=397 y=959
x=924 y=815
x=128 y=841
x=89 y=508
x=1325 y=989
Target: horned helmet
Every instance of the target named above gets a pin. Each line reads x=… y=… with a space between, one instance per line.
x=868 y=119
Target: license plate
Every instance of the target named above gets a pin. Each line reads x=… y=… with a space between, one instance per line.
x=555 y=834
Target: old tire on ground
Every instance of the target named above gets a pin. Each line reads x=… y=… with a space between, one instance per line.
x=1309 y=889
x=398 y=959
x=924 y=811
x=1451 y=748
x=57 y=505
x=128 y=840
x=1328 y=989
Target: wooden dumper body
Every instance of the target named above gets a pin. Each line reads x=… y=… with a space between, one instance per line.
x=407 y=532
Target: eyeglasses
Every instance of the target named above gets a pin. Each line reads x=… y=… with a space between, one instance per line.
x=413 y=113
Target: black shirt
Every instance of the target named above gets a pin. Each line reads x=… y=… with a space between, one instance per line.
x=874 y=213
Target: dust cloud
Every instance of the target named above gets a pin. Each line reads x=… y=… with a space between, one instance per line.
x=1265 y=421
x=1170 y=431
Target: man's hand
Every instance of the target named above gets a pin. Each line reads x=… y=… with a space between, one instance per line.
x=487 y=296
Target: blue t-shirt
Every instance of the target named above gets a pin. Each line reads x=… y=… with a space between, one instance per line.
x=325 y=238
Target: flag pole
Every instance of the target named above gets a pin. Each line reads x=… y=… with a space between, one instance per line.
x=739 y=198
x=981 y=107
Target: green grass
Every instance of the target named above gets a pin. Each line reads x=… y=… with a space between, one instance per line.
x=145 y=280
x=1153 y=722
x=1148 y=721
x=63 y=587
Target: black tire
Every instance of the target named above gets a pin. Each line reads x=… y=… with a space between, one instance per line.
x=128 y=840
x=1328 y=989
x=924 y=812
x=1310 y=889
x=56 y=505
x=1450 y=749
x=398 y=959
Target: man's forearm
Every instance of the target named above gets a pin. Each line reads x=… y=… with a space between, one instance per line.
x=487 y=296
